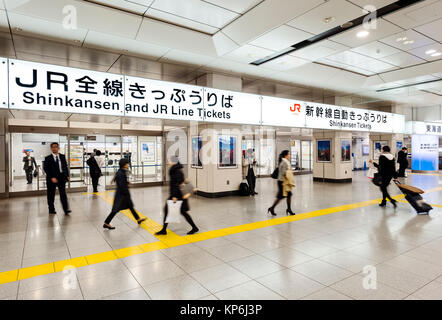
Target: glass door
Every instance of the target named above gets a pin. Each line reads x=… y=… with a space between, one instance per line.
x=112 y=155
x=77 y=160
x=306 y=156
x=150 y=157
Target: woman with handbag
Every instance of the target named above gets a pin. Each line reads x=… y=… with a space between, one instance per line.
x=286 y=182
x=176 y=186
x=386 y=171
x=30 y=167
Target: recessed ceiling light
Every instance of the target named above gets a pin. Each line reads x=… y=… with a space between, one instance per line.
x=431 y=51
x=436 y=54
x=401 y=39
x=409 y=42
x=329 y=19
x=362 y=34
x=347 y=25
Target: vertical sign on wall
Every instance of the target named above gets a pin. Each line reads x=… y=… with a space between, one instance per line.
x=3 y=83
x=424 y=152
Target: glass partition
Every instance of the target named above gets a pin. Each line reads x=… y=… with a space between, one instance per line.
x=112 y=155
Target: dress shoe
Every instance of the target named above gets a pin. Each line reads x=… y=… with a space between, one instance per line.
x=289 y=212
x=67 y=212
x=52 y=212
x=271 y=211
x=194 y=230
x=140 y=221
x=162 y=232
x=108 y=226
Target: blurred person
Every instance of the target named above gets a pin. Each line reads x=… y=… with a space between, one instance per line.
x=387 y=170
x=29 y=165
x=95 y=164
x=403 y=161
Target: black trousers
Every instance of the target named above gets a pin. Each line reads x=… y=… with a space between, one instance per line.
x=114 y=212
x=51 y=187
x=402 y=167
x=251 y=180
x=29 y=174
x=184 y=213
x=385 y=194
x=95 y=178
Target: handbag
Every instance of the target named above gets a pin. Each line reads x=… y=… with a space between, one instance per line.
x=187 y=188
x=275 y=173
x=173 y=211
x=35 y=174
x=377 y=179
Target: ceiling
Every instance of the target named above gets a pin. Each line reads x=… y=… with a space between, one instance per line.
x=182 y=40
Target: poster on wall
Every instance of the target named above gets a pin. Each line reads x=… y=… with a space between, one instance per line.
x=425 y=155
x=196 y=152
x=148 y=151
x=365 y=150
x=324 y=151
x=377 y=146
x=345 y=150
x=227 y=152
x=3 y=83
x=398 y=145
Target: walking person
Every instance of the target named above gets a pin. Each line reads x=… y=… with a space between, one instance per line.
x=249 y=163
x=403 y=161
x=29 y=165
x=122 y=198
x=387 y=171
x=95 y=163
x=176 y=181
x=57 y=174
x=286 y=182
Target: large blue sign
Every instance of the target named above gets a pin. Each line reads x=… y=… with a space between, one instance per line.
x=425 y=152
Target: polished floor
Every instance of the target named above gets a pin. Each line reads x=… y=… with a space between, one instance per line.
x=241 y=253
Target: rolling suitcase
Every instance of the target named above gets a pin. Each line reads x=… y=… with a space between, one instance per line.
x=412 y=195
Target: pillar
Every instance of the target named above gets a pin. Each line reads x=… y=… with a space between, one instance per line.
x=336 y=169
x=390 y=140
x=3 y=156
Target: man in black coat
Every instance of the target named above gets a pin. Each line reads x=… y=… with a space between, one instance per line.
x=403 y=161
x=29 y=165
x=387 y=170
x=122 y=198
x=57 y=174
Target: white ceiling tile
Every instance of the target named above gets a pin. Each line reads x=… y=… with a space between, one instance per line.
x=248 y=53
x=197 y=10
x=285 y=63
x=376 y=50
x=266 y=16
x=319 y=50
x=346 y=67
x=168 y=17
x=89 y=15
x=360 y=61
x=424 y=52
x=45 y=29
x=418 y=39
x=185 y=57
x=313 y=21
x=239 y=6
x=402 y=59
x=411 y=80
x=101 y=40
x=223 y=44
x=145 y=3
x=126 y=5
x=432 y=29
x=281 y=38
x=376 y=3
x=417 y=14
x=175 y=37
x=380 y=30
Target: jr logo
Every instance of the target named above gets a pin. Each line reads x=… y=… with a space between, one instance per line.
x=295 y=108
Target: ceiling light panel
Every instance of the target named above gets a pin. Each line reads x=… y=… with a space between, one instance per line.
x=376 y=50
x=197 y=10
x=168 y=17
x=402 y=59
x=418 y=39
x=235 y=5
x=432 y=30
x=313 y=21
x=281 y=38
x=382 y=30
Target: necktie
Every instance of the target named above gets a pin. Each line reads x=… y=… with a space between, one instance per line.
x=58 y=163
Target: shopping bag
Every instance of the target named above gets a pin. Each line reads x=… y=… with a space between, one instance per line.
x=173 y=211
x=371 y=172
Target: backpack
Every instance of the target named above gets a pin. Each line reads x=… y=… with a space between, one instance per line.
x=275 y=173
x=244 y=189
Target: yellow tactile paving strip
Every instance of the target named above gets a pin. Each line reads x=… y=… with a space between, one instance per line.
x=173 y=240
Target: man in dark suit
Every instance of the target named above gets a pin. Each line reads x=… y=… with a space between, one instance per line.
x=403 y=161
x=57 y=174
x=29 y=164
